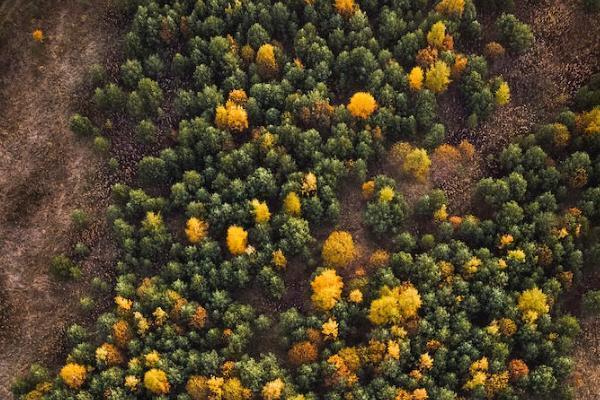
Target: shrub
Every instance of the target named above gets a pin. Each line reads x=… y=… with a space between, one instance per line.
x=338 y=250
x=80 y=219
x=82 y=126
x=63 y=267
x=591 y=302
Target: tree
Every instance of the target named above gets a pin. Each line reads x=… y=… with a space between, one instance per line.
x=266 y=62
x=435 y=37
x=345 y=8
x=362 y=105
x=73 y=375
x=514 y=33
x=451 y=7
x=196 y=230
x=155 y=380
x=303 y=353
x=533 y=303
x=261 y=211
x=395 y=305
x=437 y=77
x=415 y=79
x=502 y=95
x=416 y=164
x=237 y=240
x=338 y=250
x=327 y=289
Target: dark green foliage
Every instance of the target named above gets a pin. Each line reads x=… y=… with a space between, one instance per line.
x=62 y=267
x=516 y=35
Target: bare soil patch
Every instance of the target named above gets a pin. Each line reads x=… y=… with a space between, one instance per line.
x=45 y=173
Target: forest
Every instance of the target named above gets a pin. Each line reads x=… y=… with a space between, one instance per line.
x=297 y=215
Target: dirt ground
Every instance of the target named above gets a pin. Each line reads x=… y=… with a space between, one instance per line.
x=45 y=173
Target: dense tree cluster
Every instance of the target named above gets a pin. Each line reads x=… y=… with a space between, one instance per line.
x=277 y=104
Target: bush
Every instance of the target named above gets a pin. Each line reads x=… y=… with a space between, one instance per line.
x=62 y=267
x=82 y=126
x=591 y=302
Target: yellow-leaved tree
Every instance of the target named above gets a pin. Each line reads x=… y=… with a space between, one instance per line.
x=416 y=164
x=451 y=7
x=237 y=240
x=436 y=35
x=73 y=375
x=155 y=380
x=266 y=62
x=261 y=211
x=327 y=289
x=437 y=77
x=533 y=303
x=196 y=230
x=338 y=250
x=415 y=79
x=502 y=95
x=291 y=204
x=395 y=305
x=362 y=105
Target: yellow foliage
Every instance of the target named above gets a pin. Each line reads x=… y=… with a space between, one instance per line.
x=416 y=164
x=506 y=240
x=472 y=266
x=561 y=134
x=291 y=204
x=109 y=354
x=362 y=105
x=237 y=118
x=121 y=333
x=496 y=383
x=152 y=222
x=338 y=250
x=196 y=230
x=309 y=184
x=395 y=305
x=502 y=95
x=38 y=35
x=273 y=389
x=435 y=37
x=221 y=117
x=517 y=255
x=279 y=259
x=237 y=240
x=234 y=390
x=123 y=304
x=197 y=387
x=327 y=289
x=441 y=214
x=265 y=61
x=415 y=79
x=460 y=64
x=589 y=122
x=261 y=211
x=330 y=328
x=386 y=194
x=73 y=375
x=437 y=77
x=155 y=380
x=533 y=303
x=132 y=382
x=425 y=361
x=355 y=296
x=238 y=96
x=451 y=7
x=345 y=7
x=420 y=394
x=379 y=259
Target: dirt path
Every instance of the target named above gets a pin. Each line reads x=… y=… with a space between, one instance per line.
x=45 y=172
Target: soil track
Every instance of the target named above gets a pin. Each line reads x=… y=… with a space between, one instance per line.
x=46 y=172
